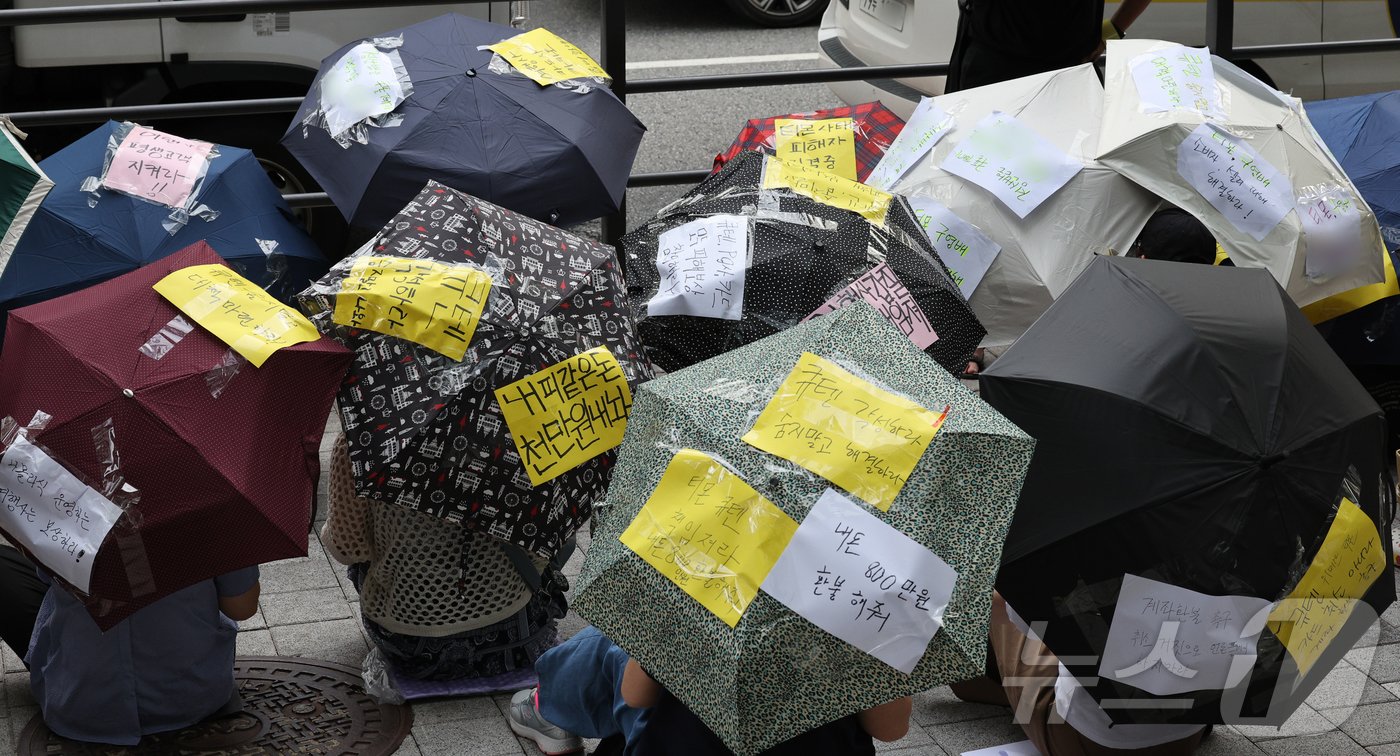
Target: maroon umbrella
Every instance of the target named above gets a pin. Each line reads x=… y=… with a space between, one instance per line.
x=223 y=455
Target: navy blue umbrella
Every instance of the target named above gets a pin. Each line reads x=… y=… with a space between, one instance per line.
x=70 y=245
x=1364 y=134
x=550 y=152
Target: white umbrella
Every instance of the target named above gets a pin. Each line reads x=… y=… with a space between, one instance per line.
x=1096 y=211
x=1243 y=158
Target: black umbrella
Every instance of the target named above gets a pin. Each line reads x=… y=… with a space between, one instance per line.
x=427 y=430
x=1193 y=430
x=800 y=257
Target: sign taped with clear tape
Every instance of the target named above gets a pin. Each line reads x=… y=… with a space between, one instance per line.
x=429 y=302
x=702 y=267
x=710 y=533
x=567 y=413
x=860 y=579
x=847 y=430
x=236 y=311
x=157 y=167
x=58 y=518
x=827 y=144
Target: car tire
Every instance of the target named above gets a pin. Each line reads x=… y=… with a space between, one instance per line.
x=779 y=13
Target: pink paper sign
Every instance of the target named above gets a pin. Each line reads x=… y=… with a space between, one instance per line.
x=886 y=293
x=157 y=166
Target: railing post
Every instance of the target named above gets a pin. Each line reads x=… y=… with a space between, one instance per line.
x=1220 y=27
x=613 y=27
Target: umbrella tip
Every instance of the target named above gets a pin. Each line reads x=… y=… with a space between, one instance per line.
x=128 y=393
x=471 y=72
x=1272 y=460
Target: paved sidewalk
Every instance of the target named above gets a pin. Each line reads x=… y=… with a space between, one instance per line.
x=309 y=608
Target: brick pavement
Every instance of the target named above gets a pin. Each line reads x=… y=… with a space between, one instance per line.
x=308 y=608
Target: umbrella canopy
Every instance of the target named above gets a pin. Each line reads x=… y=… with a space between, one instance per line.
x=872 y=129
x=1096 y=211
x=70 y=243
x=1245 y=160
x=754 y=670
x=494 y=360
x=778 y=258
x=23 y=185
x=1364 y=134
x=222 y=453
x=1202 y=460
x=557 y=153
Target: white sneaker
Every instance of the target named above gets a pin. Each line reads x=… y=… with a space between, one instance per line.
x=525 y=721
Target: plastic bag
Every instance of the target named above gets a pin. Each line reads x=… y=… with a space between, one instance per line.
x=378 y=680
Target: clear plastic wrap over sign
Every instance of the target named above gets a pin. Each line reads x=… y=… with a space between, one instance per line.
x=363 y=89
x=156 y=167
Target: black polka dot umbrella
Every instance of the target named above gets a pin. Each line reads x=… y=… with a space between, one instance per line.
x=730 y=263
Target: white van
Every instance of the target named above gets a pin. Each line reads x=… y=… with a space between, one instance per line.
x=892 y=32
x=192 y=59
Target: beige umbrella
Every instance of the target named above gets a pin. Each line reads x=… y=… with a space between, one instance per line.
x=1096 y=211
x=1243 y=158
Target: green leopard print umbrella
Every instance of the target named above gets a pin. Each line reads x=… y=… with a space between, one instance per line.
x=775 y=674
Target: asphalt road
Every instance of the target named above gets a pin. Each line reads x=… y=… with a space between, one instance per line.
x=688 y=38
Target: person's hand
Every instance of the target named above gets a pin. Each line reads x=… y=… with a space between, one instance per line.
x=1097 y=53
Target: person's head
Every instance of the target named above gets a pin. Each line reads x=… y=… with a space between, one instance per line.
x=1173 y=234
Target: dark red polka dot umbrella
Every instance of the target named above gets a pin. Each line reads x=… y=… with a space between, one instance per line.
x=212 y=459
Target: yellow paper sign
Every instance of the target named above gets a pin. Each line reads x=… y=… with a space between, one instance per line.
x=858 y=436
x=827 y=145
x=428 y=302
x=567 y=413
x=548 y=58
x=710 y=533
x=236 y=311
x=828 y=189
x=1352 y=557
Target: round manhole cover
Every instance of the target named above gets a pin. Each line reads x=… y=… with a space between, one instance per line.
x=289 y=706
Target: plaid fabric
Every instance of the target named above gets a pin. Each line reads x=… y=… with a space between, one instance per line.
x=876 y=128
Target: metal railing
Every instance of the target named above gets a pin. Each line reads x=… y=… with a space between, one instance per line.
x=1220 y=26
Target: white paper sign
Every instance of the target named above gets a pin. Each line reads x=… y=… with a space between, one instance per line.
x=1007 y=158
x=1251 y=194
x=362 y=84
x=961 y=246
x=702 y=266
x=1023 y=748
x=925 y=127
x=858 y=578
x=1165 y=639
x=53 y=514
x=1332 y=226
x=1177 y=78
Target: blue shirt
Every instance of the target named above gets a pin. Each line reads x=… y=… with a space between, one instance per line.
x=166 y=667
